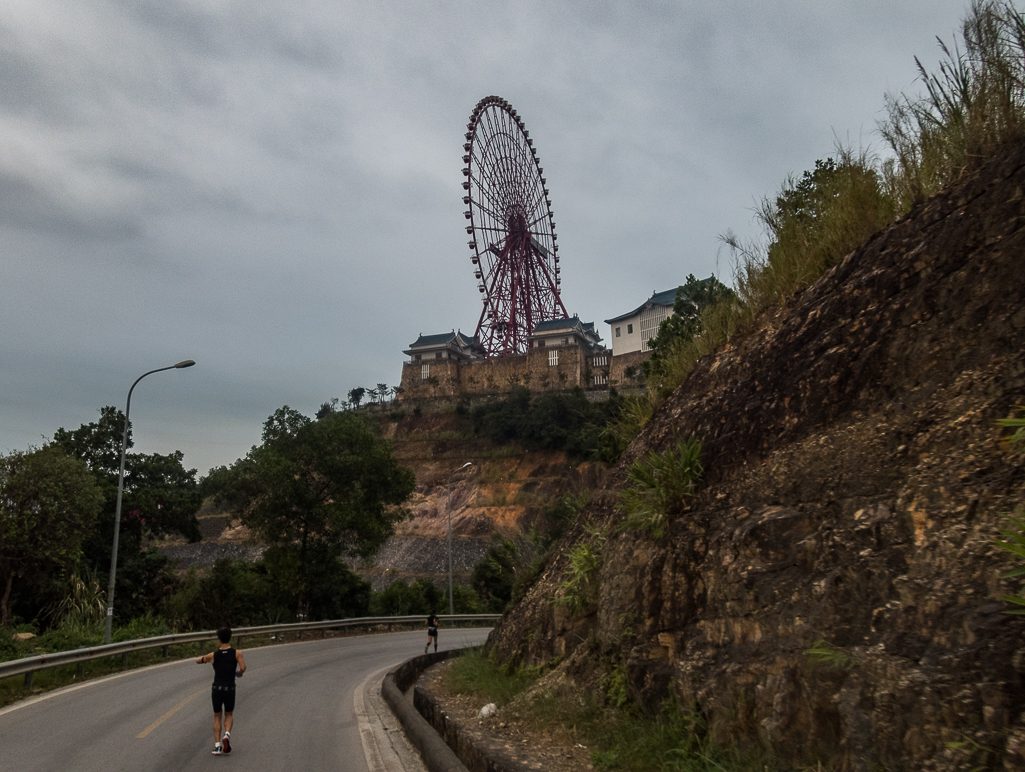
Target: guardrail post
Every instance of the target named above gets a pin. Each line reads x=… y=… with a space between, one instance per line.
x=163 y=651
x=124 y=659
x=80 y=670
x=28 y=679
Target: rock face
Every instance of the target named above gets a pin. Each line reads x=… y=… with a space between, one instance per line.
x=855 y=483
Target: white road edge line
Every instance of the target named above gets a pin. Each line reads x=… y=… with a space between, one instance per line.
x=367 y=736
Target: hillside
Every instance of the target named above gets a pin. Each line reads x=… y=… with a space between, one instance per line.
x=855 y=482
x=502 y=493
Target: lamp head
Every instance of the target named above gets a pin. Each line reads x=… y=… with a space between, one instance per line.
x=186 y=363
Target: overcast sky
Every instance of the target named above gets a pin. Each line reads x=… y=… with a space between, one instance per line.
x=274 y=188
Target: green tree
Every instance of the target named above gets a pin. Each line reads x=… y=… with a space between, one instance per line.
x=494 y=575
x=48 y=501
x=160 y=498
x=315 y=491
x=356 y=396
x=693 y=298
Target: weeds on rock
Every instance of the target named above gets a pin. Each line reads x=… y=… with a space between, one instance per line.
x=1017 y=439
x=578 y=590
x=660 y=484
x=1014 y=536
x=823 y=652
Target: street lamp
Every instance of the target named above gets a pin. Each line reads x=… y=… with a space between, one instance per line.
x=120 y=490
x=448 y=510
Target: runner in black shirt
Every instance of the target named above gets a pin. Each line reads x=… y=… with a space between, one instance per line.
x=229 y=664
x=432 y=631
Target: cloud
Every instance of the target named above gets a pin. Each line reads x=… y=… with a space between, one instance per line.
x=274 y=189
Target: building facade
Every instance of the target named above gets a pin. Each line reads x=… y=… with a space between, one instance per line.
x=562 y=354
x=631 y=332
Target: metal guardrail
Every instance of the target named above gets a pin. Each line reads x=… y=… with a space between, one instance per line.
x=28 y=665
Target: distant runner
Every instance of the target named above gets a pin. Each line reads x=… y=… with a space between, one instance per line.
x=432 y=631
x=229 y=664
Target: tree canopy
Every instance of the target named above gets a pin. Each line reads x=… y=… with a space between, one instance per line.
x=693 y=298
x=48 y=502
x=315 y=491
x=160 y=498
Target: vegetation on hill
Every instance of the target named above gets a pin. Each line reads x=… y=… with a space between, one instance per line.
x=566 y=422
x=972 y=108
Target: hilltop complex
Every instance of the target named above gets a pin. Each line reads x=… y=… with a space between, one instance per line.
x=562 y=354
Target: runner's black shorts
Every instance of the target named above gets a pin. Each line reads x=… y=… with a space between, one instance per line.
x=223 y=697
x=432 y=632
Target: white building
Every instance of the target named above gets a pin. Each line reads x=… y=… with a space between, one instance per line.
x=631 y=332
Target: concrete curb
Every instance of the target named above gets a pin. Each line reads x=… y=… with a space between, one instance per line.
x=437 y=756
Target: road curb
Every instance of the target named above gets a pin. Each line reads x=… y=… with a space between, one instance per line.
x=437 y=756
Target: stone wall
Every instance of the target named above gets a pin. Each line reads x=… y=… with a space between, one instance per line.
x=624 y=364
x=450 y=378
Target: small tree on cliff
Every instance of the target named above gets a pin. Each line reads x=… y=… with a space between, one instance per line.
x=314 y=491
x=356 y=396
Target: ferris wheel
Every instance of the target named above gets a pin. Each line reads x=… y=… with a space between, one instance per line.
x=512 y=233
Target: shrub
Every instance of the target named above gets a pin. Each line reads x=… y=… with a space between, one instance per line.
x=660 y=486
x=579 y=589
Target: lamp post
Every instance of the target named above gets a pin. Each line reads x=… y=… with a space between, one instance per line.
x=120 y=490
x=448 y=510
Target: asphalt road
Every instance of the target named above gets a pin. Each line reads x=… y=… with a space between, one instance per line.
x=294 y=710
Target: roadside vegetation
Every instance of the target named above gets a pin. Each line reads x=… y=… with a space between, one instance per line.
x=971 y=108
x=314 y=491
x=618 y=734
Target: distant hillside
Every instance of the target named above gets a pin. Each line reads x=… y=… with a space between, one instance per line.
x=855 y=483
x=503 y=493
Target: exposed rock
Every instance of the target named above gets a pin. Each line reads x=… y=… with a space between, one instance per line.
x=204 y=554
x=855 y=483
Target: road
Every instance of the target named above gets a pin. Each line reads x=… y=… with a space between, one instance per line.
x=294 y=710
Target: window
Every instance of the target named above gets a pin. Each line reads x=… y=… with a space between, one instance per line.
x=425 y=372
x=601 y=361
x=438 y=355
x=416 y=358
x=617 y=331
x=540 y=344
x=553 y=357
x=629 y=329
x=601 y=379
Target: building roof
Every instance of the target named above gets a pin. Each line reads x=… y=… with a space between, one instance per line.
x=443 y=340
x=566 y=323
x=664 y=298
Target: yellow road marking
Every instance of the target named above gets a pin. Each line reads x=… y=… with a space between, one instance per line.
x=169 y=713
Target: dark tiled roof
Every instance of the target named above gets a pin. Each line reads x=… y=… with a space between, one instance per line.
x=433 y=340
x=566 y=323
x=458 y=339
x=664 y=298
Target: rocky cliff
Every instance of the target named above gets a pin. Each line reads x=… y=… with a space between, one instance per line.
x=855 y=483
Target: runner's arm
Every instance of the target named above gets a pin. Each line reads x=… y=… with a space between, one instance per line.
x=241 y=661
x=205 y=658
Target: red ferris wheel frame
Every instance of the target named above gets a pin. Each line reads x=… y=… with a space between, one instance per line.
x=515 y=254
